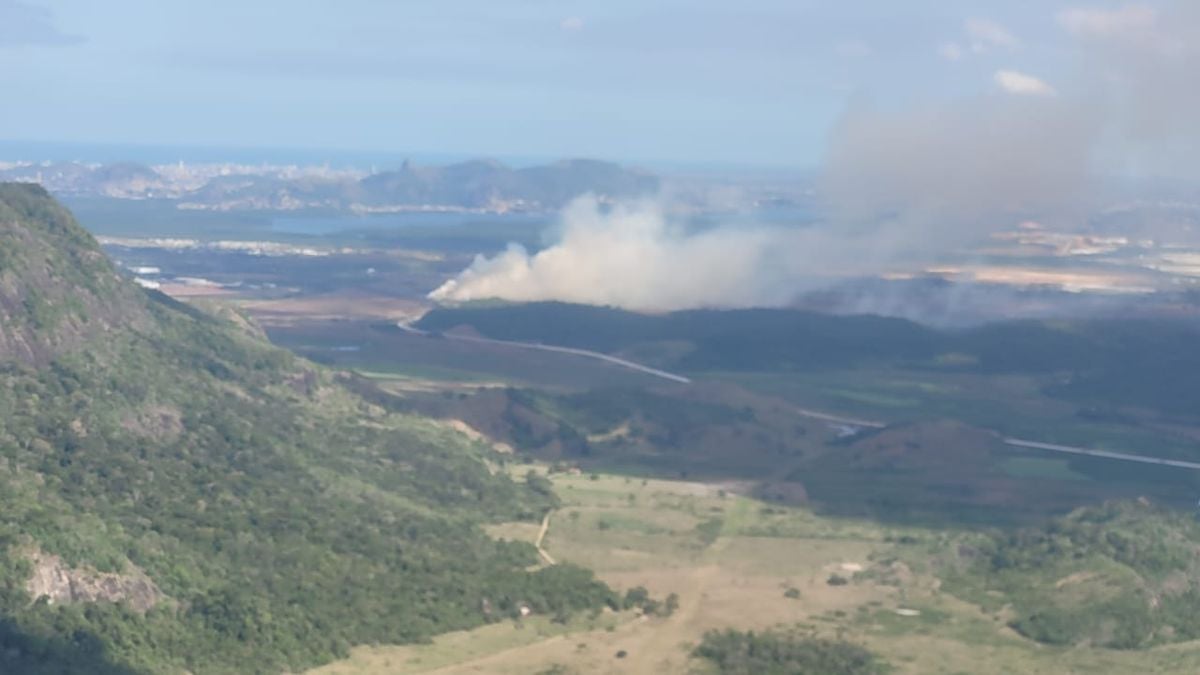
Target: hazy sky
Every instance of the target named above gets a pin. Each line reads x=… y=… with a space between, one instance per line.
x=753 y=81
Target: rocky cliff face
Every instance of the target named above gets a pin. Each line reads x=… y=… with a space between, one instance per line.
x=59 y=583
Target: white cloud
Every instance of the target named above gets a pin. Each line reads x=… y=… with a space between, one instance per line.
x=985 y=34
x=951 y=51
x=572 y=23
x=1021 y=84
x=1105 y=23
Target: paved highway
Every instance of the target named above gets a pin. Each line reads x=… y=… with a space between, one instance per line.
x=586 y=353
x=1143 y=459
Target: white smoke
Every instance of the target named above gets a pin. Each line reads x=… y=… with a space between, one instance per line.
x=633 y=257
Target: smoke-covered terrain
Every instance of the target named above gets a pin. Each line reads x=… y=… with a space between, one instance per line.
x=907 y=187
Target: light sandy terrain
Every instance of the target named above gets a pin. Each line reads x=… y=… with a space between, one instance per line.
x=188 y=291
x=286 y=311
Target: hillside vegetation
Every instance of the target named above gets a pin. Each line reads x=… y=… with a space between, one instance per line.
x=779 y=653
x=235 y=508
x=1123 y=575
x=56 y=288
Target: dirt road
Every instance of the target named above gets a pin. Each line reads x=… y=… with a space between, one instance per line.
x=542 y=535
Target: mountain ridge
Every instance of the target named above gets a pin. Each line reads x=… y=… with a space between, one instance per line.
x=471 y=185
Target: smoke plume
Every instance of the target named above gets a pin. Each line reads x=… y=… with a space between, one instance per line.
x=918 y=182
x=633 y=257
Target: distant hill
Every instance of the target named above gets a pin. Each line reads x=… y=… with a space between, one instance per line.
x=474 y=185
x=123 y=180
x=179 y=495
x=483 y=184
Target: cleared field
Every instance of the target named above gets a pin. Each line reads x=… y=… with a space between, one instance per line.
x=736 y=562
x=337 y=306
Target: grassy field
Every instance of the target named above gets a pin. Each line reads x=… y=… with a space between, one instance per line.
x=737 y=562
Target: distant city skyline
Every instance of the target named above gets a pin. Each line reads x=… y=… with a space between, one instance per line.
x=24 y=152
x=697 y=82
x=161 y=154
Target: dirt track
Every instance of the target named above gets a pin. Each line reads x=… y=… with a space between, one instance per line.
x=542 y=535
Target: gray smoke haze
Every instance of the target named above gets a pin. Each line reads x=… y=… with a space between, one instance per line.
x=1145 y=64
x=950 y=170
x=922 y=181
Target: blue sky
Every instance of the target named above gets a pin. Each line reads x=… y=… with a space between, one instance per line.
x=751 y=82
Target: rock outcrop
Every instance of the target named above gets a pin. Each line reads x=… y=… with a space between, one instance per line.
x=58 y=582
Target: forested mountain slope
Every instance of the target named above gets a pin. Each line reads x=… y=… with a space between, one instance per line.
x=180 y=495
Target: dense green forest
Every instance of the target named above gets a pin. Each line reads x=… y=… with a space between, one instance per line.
x=781 y=653
x=278 y=517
